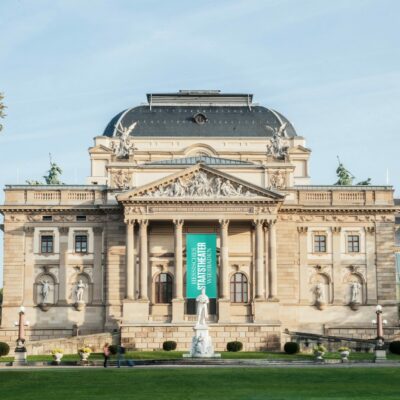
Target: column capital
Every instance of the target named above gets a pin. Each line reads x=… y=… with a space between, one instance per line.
x=370 y=229
x=258 y=222
x=97 y=230
x=336 y=229
x=178 y=222
x=302 y=229
x=143 y=222
x=224 y=222
x=130 y=221
x=270 y=222
x=29 y=230
x=63 y=230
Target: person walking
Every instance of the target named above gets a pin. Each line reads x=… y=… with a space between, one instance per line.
x=106 y=353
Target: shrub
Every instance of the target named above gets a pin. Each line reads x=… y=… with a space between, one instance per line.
x=234 y=346
x=394 y=347
x=291 y=348
x=343 y=348
x=319 y=348
x=113 y=349
x=169 y=345
x=4 y=349
x=57 y=351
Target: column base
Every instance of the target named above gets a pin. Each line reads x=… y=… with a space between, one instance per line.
x=224 y=310
x=273 y=300
x=178 y=310
x=135 y=311
x=265 y=311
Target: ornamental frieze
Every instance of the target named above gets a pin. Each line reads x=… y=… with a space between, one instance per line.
x=121 y=179
x=199 y=184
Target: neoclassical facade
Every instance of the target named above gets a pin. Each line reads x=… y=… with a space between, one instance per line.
x=111 y=254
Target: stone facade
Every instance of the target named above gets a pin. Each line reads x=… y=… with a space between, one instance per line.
x=305 y=252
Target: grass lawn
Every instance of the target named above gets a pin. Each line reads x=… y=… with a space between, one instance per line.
x=201 y=383
x=171 y=355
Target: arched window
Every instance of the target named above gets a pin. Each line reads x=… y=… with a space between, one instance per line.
x=239 y=287
x=163 y=288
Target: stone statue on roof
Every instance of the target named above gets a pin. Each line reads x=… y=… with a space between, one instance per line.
x=277 y=148
x=125 y=146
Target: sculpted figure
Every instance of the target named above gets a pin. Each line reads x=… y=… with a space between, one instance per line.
x=202 y=301
x=276 y=148
x=227 y=188
x=124 y=147
x=355 y=292
x=319 y=293
x=80 y=291
x=45 y=291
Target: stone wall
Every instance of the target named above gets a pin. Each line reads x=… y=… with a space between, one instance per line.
x=254 y=337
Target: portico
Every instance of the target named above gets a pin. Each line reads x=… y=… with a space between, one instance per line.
x=255 y=212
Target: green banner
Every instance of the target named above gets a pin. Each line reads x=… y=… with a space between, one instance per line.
x=201 y=265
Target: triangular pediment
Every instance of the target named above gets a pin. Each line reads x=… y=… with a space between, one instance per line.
x=200 y=182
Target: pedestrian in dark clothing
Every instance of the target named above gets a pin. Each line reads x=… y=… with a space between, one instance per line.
x=106 y=353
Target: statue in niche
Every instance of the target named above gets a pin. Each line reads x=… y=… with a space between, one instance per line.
x=355 y=288
x=45 y=290
x=80 y=291
x=202 y=301
x=319 y=295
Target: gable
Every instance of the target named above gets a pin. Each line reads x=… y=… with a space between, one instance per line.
x=202 y=182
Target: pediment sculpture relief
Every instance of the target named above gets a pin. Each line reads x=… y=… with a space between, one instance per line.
x=200 y=184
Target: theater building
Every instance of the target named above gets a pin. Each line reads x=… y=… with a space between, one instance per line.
x=112 y=254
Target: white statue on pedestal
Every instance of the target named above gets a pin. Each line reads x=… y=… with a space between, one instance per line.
x=202 y=301
x=201 y=343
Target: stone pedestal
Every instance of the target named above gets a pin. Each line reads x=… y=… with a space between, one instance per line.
x=224 y=310
x=135 y=311
x=380 y=355
x=80 y=305
x=178 y=310
x=265 y=311
x=202 y=346
x=20 y=357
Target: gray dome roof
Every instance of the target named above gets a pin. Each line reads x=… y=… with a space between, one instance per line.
x=200 y=119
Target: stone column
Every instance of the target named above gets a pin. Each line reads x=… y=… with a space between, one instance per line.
x=273 y=279
x=28 y=295
x=266 y=265
x=224 y=310
x=259 y=259
x=338 y=295
x=144 y=262
x=178 y=303
x=303 y=265
x=224 y=285
x=63 y=295
x=98 y=265
x=370 y=252
x=178 y=259
x=130 y=259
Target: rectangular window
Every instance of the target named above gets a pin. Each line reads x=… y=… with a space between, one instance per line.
x=46 y=244
x=319 y=243
x=81 y=218
x=353 y=243
x=81 y=244
x=47 y=218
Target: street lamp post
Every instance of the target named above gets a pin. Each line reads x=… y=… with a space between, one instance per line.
x=20 y=350
x=380 y=352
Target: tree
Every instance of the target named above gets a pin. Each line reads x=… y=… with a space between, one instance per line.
x=2 y=108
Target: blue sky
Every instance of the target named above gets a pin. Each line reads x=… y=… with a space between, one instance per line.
x=331 y=67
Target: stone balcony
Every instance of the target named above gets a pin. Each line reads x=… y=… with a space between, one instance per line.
x=340 y=196
x=36 y=195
